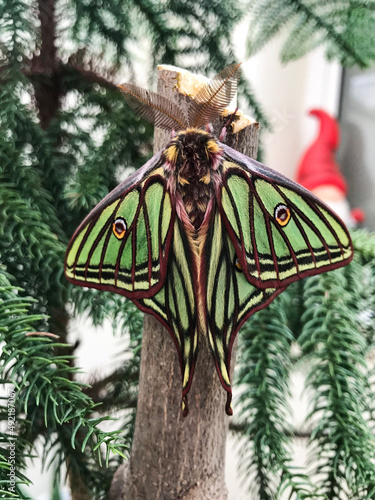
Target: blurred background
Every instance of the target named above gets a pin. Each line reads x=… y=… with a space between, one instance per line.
x=73 y=138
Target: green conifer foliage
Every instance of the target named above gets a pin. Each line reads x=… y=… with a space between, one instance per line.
x=48 y=403
x=344 y=27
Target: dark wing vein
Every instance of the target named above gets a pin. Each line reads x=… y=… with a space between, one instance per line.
x=148 y=242
x=268 y=227
x=306 y=220
x=252 y=233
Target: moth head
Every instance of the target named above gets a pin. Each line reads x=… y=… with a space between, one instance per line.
x=193 y=154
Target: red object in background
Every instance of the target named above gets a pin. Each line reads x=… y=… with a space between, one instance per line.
x=319 y=172
x=318 y=166
x=358 y=215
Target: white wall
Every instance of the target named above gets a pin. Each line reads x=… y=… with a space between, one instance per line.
x=357 y=151
x=286 y=94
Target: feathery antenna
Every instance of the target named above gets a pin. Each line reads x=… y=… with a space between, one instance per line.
x=155 y=108
x=215 y=96
x=207 y=105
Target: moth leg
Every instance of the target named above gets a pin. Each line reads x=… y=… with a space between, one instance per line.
x=228 y=405
x=223 y=132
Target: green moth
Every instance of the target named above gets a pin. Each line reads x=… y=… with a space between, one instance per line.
x=202 y=236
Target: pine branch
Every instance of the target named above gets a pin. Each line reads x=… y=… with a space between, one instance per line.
x=72 y=72
x=53 y=404
x=17 y=30
x=240 y=429
x=26 y=238
x=263 y=377
x=330 y=30
x=115 y=152
x=19 y=146
x=341 y=439
x=364 y=245
x=123 y=314
x=102 y=25
x=119 y=390
x=13 y=452
x=346 y=28
x=363 y=303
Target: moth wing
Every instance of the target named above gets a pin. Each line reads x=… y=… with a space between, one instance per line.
x=230 y=299
x=281 y=232
x=175 y=307
x=132 y=262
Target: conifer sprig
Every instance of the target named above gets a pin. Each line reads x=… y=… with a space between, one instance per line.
x=344 y=27
x=16 y=29
x=263 y=378
x=341 y=439
x=52 y=403
x=20 y=453
x=364 y=246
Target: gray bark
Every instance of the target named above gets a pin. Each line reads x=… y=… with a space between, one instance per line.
x=175 y=457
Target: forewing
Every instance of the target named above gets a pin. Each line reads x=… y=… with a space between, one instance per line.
x=132 y=263
x=175 y=307
x=230 y=298
x=281 y=232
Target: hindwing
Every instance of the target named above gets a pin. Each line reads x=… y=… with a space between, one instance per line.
x=123 y=244
x=175 y=306
x=231 y=299
x=281 y=232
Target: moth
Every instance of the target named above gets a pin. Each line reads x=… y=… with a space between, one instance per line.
x=202 y=236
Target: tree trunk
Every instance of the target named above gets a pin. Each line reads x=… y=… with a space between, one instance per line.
x=45 y=77
x=175 y=457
